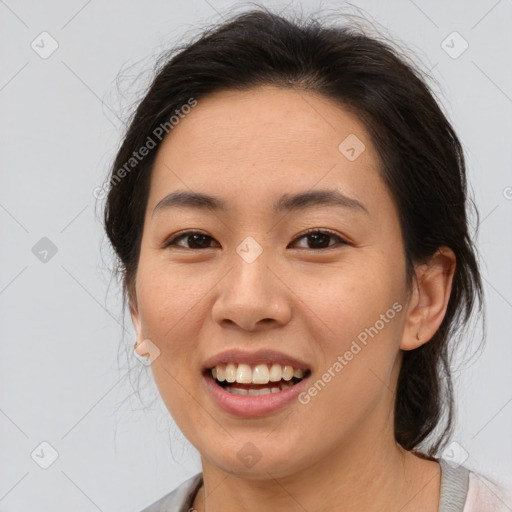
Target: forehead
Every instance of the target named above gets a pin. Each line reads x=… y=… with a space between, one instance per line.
x=261 y=142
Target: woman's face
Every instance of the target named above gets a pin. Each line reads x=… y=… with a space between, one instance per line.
x=254 y=290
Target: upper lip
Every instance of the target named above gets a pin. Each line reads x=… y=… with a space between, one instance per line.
x=257 y=357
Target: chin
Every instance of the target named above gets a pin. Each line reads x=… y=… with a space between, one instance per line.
x=257 y=457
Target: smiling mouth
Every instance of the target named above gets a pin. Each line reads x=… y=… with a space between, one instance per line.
x=255 y=380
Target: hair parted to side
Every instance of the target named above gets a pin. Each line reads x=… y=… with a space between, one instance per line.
x=421 y=161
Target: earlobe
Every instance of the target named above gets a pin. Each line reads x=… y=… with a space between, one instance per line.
x=141 y=348
x=429 y=298
x=139 y=345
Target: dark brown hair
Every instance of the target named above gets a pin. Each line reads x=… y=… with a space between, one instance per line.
x=421 y=161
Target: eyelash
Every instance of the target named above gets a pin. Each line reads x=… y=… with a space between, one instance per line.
x=174 y=239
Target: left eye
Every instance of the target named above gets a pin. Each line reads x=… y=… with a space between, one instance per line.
x=320 y=239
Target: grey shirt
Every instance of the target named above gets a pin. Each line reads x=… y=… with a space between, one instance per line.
x=454 y=490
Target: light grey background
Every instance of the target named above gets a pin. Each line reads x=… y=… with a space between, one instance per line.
x=61 y=324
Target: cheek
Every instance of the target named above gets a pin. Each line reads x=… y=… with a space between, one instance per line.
x=349 y=298
x=172 y=311
x=359 y=331
x=168 y=298
x=170 y=307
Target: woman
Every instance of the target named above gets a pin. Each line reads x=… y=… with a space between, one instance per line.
x=288 y=208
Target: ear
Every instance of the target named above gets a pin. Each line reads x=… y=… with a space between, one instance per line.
x=432 y=285
x=137 y=325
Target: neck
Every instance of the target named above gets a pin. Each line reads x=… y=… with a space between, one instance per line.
x=365 y=475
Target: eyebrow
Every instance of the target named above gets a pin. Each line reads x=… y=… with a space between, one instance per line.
x=287 y=202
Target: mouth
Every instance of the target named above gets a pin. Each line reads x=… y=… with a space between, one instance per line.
x=254 y=380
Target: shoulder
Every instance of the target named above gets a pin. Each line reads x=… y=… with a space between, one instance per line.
x=466 y=490
x=486 y=495
x=180 y=499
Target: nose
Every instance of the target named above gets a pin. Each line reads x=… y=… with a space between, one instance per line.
x=252 y=296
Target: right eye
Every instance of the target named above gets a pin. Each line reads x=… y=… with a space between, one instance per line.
x=196 y=239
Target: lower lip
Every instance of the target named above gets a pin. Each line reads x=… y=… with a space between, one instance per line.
x=252 y=406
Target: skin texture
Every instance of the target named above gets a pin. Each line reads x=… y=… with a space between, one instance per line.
x=338 y=450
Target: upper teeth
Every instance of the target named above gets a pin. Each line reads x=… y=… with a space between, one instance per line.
x=260 y=374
